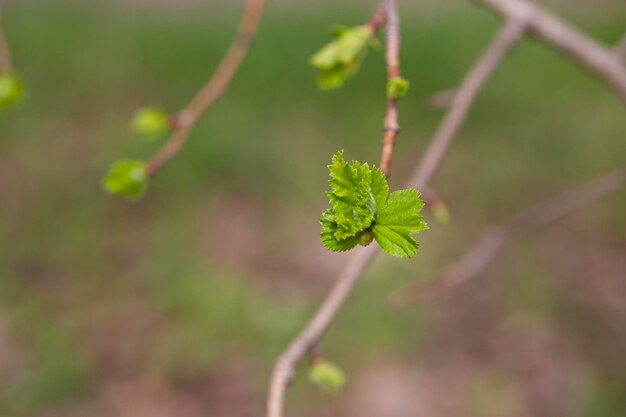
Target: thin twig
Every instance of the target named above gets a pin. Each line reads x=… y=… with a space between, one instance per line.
x=215 y=87
x=600 y=60
x=5 y=54
x=480 y=255
x=285 y=366
x=391 y=126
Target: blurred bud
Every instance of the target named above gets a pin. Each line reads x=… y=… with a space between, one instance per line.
x=397 y=87
x=128 y=178
x=341 y=59
x=11 y=90
x=366 y=237
x=440 y=212
x=150 y=122
x=328 y=377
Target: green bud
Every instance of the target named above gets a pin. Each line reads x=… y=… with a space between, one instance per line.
x=397 y=87
x=128 y=178
x=341 y=59
x=11 y=90
x=366 y=237
x=327 y=376
x=441 y=214
x=150 y=122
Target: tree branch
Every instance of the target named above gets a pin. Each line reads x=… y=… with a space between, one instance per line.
x=285 y=366
x=5 y=54
x=391 y=126
x=187 y=118
x=480 y=255
x=599 y=59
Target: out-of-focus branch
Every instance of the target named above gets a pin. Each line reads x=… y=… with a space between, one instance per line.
x=5 y=54
x=215 y=87
x=362 y=257
x=546 y=26
x=463 y=99
x=479 y=256
x=391 y=126
x=441 y=100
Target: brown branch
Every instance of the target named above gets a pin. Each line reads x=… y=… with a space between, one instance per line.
x=597 y=58
x=5 y=54
x=391 y=126
x=361 y=258
x=480 y=255
x=186 y=119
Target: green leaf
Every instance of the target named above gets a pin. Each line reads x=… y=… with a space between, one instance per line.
x=128 y=178
x=397 y=221
x=151 y=122
x=327 y=376
x=329 y=229
x=397 y=87
x=362 y=209
x=11 y=90
x=341 y=59
x=357 y=193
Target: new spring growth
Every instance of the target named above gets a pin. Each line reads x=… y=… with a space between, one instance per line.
x=11 y=90
x=341 y=59
x=327 y=376
x=127 y=178
x=362 y=210
x=397 y=87
x=150 y=122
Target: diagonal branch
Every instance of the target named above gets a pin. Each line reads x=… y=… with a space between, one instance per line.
x=5 y=54
x=284 y=368
x=187 y=118
x=391 y=126
x=602 y=61
x=495 y=239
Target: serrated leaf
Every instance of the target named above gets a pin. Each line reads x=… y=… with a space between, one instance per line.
x=397 y=87
x=341 y=59
x=126 y=177
x=357 y=192
x=11 y=90
x=151 y=122
x=397 y=221
x=329 y=240
x=327 y=376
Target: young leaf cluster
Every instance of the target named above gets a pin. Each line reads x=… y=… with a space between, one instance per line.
x=150 y=122
x=397 y=87
x=327 y=376
x=127 y=178
x=362 y=209
x=11 y=90
x=341 y=59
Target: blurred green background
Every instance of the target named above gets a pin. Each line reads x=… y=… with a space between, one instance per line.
x=177 y=305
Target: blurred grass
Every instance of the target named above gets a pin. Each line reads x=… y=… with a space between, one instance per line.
x=67 y=249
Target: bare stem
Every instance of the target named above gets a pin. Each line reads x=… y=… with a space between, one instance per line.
x=5 y=54
x=391 y=126
x=214 y=88
x=494 y=239
x=361 y=258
